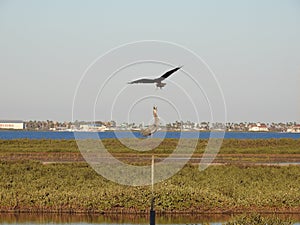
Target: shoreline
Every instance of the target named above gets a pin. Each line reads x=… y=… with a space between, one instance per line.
x=217 y=211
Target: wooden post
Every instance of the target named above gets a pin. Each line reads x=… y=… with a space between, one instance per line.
x=152 y=211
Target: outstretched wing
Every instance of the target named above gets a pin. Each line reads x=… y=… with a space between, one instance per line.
x=144 y=80
x=169 y=73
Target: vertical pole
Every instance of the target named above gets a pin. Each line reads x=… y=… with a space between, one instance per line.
x=152 y=174
x=152 y=211
x=152 y=217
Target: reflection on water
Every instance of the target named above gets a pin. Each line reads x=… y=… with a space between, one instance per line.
x=213 y=219
x=109 y=219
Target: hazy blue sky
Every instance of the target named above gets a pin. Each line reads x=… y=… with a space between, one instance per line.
x=252 y=46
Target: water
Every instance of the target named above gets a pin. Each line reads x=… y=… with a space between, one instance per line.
x=128 y=134
x=60 y=219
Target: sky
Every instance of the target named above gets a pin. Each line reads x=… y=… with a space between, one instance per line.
x=249 y=69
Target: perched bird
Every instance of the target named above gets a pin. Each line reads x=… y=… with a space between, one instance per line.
x=152 y=128
x=158 y=80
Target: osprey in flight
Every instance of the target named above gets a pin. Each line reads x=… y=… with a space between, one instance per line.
x=158 y=80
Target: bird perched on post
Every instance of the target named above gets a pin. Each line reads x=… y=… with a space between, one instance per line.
x=158 y=80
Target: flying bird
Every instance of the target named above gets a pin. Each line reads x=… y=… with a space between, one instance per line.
x=152 y=128
x=158 y=80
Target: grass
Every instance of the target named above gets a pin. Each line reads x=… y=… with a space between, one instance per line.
x=229 y=146
x=43 y=145
x=74 y=187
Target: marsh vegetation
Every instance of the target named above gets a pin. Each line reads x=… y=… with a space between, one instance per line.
x=75 y=187
x=32 y=184
x=229 y=146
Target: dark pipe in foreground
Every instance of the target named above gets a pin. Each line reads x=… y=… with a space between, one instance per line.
x=152 y=213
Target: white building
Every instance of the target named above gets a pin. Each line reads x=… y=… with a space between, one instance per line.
x=92 y=127
x=259 y=127
x=12 y=124
x=294 y=129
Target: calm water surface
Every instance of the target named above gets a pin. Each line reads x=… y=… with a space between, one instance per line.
x=127 y=134
x=58 y=219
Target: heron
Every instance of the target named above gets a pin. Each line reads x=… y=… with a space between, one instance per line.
x=152 y=128
x=158 y=80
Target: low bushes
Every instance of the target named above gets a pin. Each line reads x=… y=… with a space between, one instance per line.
x=75 y=187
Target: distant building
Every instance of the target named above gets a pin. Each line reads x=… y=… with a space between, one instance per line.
x=92 y=127
x=259 y=127
x=12 y=124
x=294 y=129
